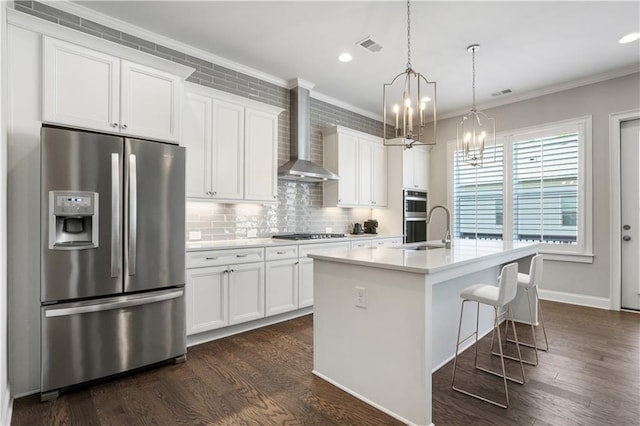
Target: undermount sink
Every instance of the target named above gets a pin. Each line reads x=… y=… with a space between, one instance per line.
x=423 y=246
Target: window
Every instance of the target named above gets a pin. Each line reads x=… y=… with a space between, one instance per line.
x=538 y=189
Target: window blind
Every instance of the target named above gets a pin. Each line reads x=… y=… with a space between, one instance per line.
x=478 y=198
x=545 y=189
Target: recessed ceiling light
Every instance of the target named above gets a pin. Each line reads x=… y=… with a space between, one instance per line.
x=345 y=57
x=629 y=38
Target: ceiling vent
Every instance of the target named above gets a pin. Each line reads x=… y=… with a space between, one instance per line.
x=502 y=92
x=370 y=44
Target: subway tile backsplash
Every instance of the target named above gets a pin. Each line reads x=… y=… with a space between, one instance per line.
x=299 y=207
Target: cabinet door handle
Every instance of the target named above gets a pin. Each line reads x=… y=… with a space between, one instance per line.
x=114 y=124
x=233 y=270
x=211 y=258
x=281 y=252
x=240 y=255
x=124 y=126
x=225 y=271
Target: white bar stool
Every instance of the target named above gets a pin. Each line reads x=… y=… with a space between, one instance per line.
x=498 y=297
x=527 y=283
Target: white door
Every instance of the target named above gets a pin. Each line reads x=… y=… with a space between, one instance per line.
x=365 y=172
x=206 y=298
x=227 y=151
x=150 y=102
x=260 y=156
x=281 y=294
x=348 y=170
x=196 y=138
x=630 y=213
x=306 y=282
x=246 y=292
x=81 y=87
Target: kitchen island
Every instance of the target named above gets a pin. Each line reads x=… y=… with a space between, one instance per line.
x=385 y=318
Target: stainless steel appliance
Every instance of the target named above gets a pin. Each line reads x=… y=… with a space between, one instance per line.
x=112 y=256
x=357 y=229
x=307 y=236
x=415 y=216
x=371 y=226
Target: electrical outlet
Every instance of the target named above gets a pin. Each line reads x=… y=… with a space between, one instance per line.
x=328 y=229
x=195 y=235
x=361 y=297
x=252 y=233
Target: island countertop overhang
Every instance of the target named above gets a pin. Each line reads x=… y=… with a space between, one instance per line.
x=439 y=264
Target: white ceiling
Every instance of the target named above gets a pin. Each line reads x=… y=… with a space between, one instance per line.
x=525 y=46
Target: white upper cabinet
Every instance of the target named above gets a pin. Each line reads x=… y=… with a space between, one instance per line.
x=93 y=90
x=360 y=160
x=415 y=163
x=261 y=155
x=227 y=151
x=231 y=146
x=150 y=102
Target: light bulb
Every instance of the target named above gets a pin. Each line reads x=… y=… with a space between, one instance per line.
x=396 y=108
x=467 y=137
x=407 y=102
x=423 y=105
x=425 y=99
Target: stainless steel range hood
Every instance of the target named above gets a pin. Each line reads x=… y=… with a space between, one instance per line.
x=300 y=168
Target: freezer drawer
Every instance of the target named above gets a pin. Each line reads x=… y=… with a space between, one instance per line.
x=88 y=340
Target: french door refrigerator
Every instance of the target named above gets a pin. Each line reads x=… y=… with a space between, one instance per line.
x=112 y=256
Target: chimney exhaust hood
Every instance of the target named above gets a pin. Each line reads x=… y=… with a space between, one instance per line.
x=300 y=168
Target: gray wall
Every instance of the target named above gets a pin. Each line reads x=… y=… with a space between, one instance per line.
x=597 y=100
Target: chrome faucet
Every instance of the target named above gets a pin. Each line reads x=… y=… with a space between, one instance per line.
x=447 y=236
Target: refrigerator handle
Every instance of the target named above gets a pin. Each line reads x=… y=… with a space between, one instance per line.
x=133 y=213
x=115 y=215
x=125 y=302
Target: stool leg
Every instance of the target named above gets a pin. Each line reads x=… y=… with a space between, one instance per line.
x=504 y=375
x=533 y=330
x=475 y=356
x=515 y=334
x=455 y=358
x=544 y=331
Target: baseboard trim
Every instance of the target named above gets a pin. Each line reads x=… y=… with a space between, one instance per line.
x=208 y=336
x=7 y=407
x=363 y=399
x=575 y=299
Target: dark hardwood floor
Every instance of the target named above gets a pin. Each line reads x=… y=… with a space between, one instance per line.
x=590 y=376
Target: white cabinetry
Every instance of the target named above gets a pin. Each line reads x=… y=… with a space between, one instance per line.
x=206 y=298
x=360 y=244
x=93 y=90
x=415 y=162
x=246 y=292
x=281 y=280
x=361 y=162
x=231 y=146
x=224 y=287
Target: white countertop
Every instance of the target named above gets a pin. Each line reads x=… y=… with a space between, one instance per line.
x=267 y=242
x=464 y=253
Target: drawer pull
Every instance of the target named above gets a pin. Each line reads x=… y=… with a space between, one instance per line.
x=241 y=255
x=281 y=252
x=211 y=258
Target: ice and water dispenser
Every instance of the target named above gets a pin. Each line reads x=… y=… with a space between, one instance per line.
x=73 y=220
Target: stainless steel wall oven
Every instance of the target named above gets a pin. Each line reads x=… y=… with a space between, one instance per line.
x=415 y=216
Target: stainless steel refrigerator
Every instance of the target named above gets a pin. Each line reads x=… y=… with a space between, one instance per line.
x=112 y=256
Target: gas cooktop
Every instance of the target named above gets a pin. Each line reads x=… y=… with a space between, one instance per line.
x=302 y=236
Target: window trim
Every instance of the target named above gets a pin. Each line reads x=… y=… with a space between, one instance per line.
x=581 y=252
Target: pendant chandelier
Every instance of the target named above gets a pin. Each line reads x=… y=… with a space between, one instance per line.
x=476 y=135
x=409 y=105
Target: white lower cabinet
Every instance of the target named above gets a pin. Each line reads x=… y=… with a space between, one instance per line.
x=206 y=297
x=246 y=292
x=305 y=279
x=281 y=286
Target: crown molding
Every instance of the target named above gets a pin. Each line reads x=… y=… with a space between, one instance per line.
x=345 y=105
x=609 y=75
